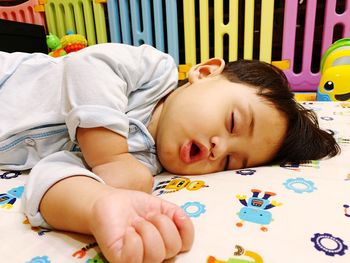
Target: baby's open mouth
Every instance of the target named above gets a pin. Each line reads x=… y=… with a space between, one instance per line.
x=192 y=152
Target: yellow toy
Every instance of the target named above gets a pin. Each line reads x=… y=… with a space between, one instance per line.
x=335 y=73
x=67 y=44
x=73 y=42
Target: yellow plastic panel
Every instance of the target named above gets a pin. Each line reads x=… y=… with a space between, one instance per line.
x=231 y=29
x=190 y=32
x=248 y=29
x=204 y=29
x=266 y=29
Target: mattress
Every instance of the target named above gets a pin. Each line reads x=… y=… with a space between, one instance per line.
x=296 y=212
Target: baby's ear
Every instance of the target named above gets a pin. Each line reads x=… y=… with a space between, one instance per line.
x=209 y=68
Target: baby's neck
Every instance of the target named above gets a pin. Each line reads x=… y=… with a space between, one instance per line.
x=153 y=124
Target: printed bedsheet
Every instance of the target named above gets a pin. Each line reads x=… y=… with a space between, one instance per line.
x=299 y=212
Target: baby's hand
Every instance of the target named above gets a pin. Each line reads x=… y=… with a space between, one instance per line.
x=135 y=227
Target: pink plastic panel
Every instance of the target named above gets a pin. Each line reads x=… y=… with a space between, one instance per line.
x=306 y=80
x=332 y=18
x=23 y=13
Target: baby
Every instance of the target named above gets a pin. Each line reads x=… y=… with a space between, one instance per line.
x=96 y=125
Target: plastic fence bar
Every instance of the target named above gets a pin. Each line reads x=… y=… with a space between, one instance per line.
x=100 y=28
x=266 y=28
x=189 y=31
x=125 y=22
x=145 y=27
x=248 y=29
x=204 y=29
x=114 y=21
x=231 y=29
x=331 y=19
x=171 y=27
x=55 y=18
x=142 y=33
x=158 y=24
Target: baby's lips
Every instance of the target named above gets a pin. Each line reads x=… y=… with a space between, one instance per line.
x=185 y=152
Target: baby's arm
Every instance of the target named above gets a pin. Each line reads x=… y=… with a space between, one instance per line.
x=106 y=152
x=129 y=226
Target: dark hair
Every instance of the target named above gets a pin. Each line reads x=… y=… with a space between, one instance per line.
x=304 y=140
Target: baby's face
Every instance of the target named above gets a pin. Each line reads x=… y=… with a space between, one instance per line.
x=213 y=125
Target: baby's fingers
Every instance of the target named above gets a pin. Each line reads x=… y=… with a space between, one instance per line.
x=131 y=251
x=169 y=233
x=153 y=246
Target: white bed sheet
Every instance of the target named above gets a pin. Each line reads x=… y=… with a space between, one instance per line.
x=300 y=214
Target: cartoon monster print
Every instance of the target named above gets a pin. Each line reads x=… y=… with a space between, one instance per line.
x=8 y=199
x=82 y=252
x=255 y=209
x=256 y=258
x=99 y=258
x=177 y=183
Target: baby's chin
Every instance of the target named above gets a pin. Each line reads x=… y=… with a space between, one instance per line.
x=184 y=169
x=175 y=166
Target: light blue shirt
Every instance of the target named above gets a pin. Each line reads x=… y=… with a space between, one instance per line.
x=44 y=100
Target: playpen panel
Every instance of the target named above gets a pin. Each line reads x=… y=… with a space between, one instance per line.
x=85 y=17
x=190 y=31
x=248 y=29
x=136 y=22
x=306 y=80
x=30 y=12
x=331 y=19
x=155 y=22
x=266 y=29
x=228 y=28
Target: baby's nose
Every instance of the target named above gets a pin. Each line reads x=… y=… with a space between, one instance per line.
x=218 y=148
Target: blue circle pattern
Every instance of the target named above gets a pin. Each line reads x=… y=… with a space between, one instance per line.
x=339 y=250
x=200 y=209
x=289 y=184
x=43 y=259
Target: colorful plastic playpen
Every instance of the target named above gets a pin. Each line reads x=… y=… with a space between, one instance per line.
x=194 y=30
